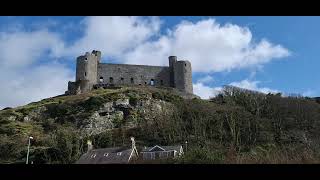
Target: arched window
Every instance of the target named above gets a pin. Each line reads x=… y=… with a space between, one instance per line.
x=131 y=80
x=111 y=80
x=101 y=79
x=85 y=73
x=152 y=82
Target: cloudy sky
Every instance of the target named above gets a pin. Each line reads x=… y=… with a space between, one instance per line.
x=267 y=54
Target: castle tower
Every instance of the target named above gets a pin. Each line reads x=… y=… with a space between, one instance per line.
x=181 y=74
x=86 y=71
x=172 y=62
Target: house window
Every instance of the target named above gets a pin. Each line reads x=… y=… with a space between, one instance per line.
x=85 y=73
x=145 y=155
x=131 y=80
x=164 y=154
x=153 y=156
x=161 y=82
x=101 y=79
x=172 y=153
x=111 y=80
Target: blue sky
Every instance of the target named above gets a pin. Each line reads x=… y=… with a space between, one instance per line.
x=268 y=54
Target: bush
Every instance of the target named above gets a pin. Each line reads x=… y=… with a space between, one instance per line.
x=93 y=103
x=202 y=156
x=133 y=101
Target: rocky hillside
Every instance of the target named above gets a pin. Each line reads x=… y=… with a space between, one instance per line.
x=77 y=118
x=235 y=127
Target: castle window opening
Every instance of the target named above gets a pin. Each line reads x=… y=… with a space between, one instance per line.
x=92 y=73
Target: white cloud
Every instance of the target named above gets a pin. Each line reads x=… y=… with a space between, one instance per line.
x=27 y=73
x=309 y=93
x=205 y=80
x=206 y=92
x=32 y=84
x=114 y=35
x=22 y=48
x=209 y=46
x=253 y=85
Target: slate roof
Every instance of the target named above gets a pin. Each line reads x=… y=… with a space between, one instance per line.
x=166 y=148
x=106 y=156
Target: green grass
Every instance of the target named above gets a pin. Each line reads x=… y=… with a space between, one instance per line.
x=226 y=130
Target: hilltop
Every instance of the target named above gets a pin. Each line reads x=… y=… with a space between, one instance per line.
x=237 y=126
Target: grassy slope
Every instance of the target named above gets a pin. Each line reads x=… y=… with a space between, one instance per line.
x=56 y=136
x=241 y=128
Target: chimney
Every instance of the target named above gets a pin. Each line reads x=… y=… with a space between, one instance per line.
x=133 y=143
x=90 y=147
x=134 y=146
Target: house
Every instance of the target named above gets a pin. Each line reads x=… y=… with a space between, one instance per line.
x=108 y=156
x=115 y=155
x=161 y=152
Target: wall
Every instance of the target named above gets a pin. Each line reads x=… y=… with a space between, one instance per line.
x=183 y=76
x=141 y=74
x=86 y=71
x=89 y=70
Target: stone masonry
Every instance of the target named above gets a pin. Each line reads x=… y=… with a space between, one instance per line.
x=91 y=73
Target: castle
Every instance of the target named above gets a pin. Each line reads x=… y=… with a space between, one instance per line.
x=91 y=74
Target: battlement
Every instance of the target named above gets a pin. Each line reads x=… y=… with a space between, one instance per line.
x=94 y=55
x=90 y=73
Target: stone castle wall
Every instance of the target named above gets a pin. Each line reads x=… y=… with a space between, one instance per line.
x=119 y=74
x=90 y=72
